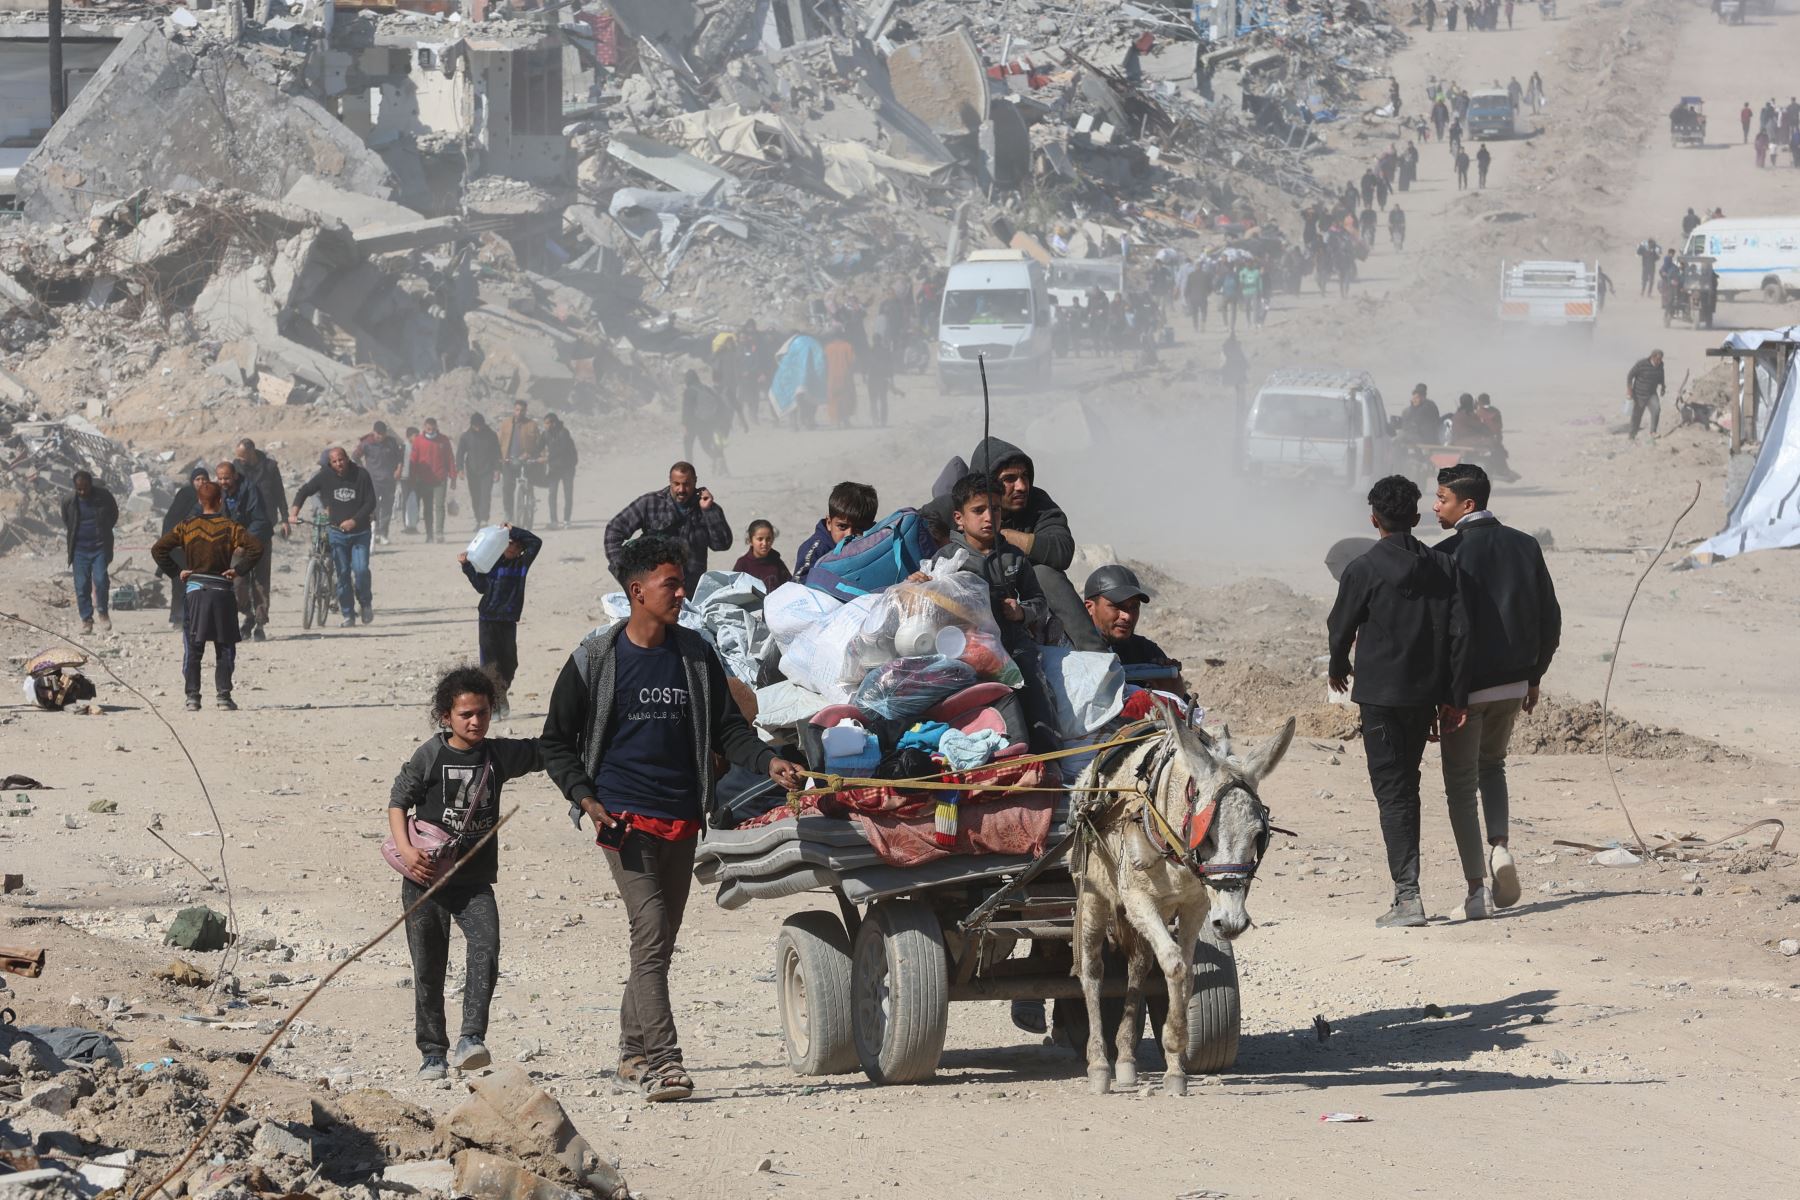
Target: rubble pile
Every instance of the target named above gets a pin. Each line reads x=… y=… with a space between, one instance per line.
x=369 y=213
x=37 y=457
x=94 y=1124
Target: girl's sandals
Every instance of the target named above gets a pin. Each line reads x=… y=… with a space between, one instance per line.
x=668 y=1082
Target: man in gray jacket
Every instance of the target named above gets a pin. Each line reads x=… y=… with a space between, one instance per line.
x=635 y=718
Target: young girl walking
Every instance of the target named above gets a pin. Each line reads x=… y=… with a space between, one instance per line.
x=451 y=789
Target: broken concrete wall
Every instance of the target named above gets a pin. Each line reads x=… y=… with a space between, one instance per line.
x=161 y=115
x=942 y=79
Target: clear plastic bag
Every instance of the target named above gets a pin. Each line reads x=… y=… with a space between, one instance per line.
x=902 y=689
x=909 y=620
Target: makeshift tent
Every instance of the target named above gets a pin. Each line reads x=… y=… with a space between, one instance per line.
x=1767 y=515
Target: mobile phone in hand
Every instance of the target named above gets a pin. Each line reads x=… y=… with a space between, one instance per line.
x=613 y=835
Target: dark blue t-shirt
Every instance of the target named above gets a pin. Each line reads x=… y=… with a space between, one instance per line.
x=648 y=765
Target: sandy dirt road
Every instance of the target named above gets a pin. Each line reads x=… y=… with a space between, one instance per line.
x=1621 y=1031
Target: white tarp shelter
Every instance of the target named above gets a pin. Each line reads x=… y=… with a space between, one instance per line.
x=1767 y=515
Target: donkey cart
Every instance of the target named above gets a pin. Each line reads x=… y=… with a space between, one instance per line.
x=870 y=984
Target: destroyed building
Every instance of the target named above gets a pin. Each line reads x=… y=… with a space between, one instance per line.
x=330 y=207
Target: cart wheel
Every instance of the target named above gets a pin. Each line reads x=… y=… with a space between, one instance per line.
x=1214 y=1014
x=812 y=987
x=900 y=992
x=1774 y=292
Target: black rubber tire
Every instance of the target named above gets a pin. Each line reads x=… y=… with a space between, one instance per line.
x=1215 y=1016
x=812 y=992
x=1774 y=292
x=315 y=584
x=900 y=992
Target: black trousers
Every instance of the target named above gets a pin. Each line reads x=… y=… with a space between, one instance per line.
x=384 y=503
x=564 y=479
x=1394 y=741
x=499 y=642
x=481 y=494
x=428 y=938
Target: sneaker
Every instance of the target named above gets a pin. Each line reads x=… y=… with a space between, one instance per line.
x=193 y=704
x=87 y=627
x=106 y=622
x=347 y=623
x=471 y=1055
x=433 y=1067
x=258 y=634
x=225 y=702
x=1028 y=1015
x=1476 y=906
x=368 y=616
x=246 y=628
x=1506 y=877
x=381 y=540
x=1406 y=914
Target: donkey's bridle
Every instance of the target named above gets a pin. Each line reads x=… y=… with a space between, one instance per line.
x=1196 y=826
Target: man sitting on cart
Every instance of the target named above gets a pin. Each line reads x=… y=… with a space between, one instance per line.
x=1115 y=599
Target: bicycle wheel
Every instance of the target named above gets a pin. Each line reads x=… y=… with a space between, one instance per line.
x=314 y=588
x=527 y=504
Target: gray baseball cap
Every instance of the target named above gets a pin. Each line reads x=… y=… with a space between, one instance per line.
x=1116 y=582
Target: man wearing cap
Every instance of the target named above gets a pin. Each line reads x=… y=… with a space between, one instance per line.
x=1420 y=422
x=1115 y=599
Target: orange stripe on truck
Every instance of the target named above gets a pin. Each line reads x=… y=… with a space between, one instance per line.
x=1578 y=308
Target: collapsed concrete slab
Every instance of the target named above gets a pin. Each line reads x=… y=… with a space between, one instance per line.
x=161 y=115
x=943 y=81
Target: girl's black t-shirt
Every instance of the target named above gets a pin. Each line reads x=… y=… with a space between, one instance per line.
x=459 y=792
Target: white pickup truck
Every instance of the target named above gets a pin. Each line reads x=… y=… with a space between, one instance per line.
x=1550 y=293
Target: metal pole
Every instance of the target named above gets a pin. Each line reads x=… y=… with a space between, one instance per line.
x=58 y=100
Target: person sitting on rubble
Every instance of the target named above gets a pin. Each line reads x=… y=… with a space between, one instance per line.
x=216 y=551
x=1031 y=522
x=1115 y=600
x=89 y=514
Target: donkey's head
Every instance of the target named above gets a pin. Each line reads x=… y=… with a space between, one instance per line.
x=1235 y=832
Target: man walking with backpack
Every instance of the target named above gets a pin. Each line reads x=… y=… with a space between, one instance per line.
x=1515 y=625
x=1397 y=605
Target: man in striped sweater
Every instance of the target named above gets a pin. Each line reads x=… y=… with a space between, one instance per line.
x=502 y=591
x=216 y=550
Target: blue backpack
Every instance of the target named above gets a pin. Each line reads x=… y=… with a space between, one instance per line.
x=878 y=559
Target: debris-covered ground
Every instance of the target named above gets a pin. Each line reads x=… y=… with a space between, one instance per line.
x=719 y=176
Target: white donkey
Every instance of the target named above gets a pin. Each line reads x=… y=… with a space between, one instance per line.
x=1178 y=840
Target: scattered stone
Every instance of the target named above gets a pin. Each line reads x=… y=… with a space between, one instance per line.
x=763 y=1164
x=59 y=1095
x=103 y=805
x=1618 y=856
x=1560 y=1059
x=436 y=1175
x=282 y=1142
x=1789 y=946
x=198 y=928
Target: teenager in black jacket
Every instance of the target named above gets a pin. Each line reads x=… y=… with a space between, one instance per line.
x=635 y=718
x=1397 y=605
x=1515 y=625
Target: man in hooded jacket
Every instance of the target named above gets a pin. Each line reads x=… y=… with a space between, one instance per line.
x=1031 y=521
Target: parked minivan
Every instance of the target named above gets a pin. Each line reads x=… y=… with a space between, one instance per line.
x=996 y=308
x=1327 y=425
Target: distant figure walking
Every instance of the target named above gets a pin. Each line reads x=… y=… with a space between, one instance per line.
x=1746 y=116
x=1462 y=170
x=1483 y=160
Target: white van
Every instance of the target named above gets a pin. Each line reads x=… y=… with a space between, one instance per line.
x=996 y=308
x=1751 y=254
x=1328 y=426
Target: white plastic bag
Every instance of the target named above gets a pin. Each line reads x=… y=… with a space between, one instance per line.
x=794 y=608
x=1087 y=688
x=816 y=658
